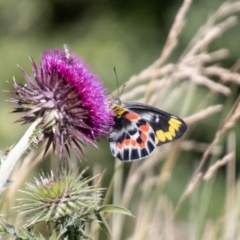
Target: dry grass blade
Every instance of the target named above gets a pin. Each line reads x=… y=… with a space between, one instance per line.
x=176 y=29
x=230 y=211
x=189 y=145
x=208 y=34
x=228 y=123
x=217 y=165
x=196 y=76
x=226 y=9
x=222 y=74
x=190 y=188
x=190 y=66
x=202 y=114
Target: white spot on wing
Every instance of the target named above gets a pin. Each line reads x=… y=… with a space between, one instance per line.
x=157 y=119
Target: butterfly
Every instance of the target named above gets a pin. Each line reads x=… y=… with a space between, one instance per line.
x=139 y=128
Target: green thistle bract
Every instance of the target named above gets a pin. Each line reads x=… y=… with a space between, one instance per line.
x=54 y=198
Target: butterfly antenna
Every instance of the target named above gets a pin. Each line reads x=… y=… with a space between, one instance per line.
x=123 y=88
x=116 y=79
x=119 y=94
x=110 y=94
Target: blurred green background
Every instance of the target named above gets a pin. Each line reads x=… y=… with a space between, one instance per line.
x=126 y=34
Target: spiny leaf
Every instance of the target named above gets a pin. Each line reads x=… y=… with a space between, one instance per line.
x=22 y=234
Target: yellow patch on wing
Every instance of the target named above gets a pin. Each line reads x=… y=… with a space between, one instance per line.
x=161 y=135
x=169 y=135
x=173 y=122
x=172 y=131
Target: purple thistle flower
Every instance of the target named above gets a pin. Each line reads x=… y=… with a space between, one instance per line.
x=70 y=99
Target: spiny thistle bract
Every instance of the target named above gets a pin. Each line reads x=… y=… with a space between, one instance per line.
x=54 y=198
x=68 y=97
x=67 y=201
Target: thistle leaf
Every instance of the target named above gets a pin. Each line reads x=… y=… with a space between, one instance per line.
x=114 y=209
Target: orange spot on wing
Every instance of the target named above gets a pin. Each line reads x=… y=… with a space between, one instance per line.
x=144 y=137
x=132 y=116
x=120 y=145
x=126 y=141
x=134 y=143
x=141 y=145
x=145 y=128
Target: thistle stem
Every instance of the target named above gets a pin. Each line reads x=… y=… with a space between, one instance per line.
x=15 y=155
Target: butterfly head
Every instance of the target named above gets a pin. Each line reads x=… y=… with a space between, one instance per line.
x=117 y=107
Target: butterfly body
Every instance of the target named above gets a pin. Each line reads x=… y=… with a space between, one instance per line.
x=139 y=128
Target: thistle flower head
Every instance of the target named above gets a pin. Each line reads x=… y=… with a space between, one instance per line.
x=68 y=97
x=53 y=198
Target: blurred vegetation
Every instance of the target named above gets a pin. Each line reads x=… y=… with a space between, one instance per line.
x=126 y=34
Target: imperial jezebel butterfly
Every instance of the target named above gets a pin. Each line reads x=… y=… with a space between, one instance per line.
x=139 y=128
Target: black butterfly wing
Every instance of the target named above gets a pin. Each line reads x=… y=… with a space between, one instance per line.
x=167 y=127
x=131 y=137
